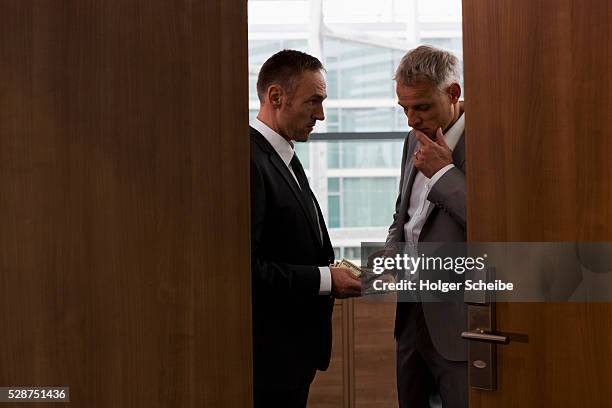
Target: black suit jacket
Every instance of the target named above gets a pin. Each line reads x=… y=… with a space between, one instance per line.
x=291 y=321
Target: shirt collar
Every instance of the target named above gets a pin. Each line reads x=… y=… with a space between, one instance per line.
x=453 y=134
x=279 y=143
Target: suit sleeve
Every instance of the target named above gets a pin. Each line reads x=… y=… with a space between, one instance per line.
x=396 y=230
x=449 y=193
x=268 y=275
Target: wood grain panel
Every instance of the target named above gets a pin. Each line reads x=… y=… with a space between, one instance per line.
x=375 y=374
x=327 y=390
x=538 y=79
x=362 y=369
x=124 y=253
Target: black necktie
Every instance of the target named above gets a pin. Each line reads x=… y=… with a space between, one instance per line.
x=303 y=181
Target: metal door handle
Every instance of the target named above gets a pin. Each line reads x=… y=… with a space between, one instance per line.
x=481 y=335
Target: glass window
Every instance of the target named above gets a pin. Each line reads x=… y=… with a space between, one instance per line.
x=352 y=253
x=333 y=155
x=360 y=43
x=333 y=185
x=337 y=253
x=333 y=211
x=364 y=154
x=361 y=201
x=252 y=114
x=359 y=154
x=368 y=201
x=356 y=70
x=332 y=119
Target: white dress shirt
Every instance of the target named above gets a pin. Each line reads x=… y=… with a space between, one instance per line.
x=285 y=150
x=420 y=207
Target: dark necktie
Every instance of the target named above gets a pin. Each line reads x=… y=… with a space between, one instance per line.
x=303 y=181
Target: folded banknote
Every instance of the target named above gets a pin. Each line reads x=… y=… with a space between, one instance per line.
x=355 y=270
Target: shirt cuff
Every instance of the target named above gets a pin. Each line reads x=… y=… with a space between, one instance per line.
x=434 y=179
x=325 y=285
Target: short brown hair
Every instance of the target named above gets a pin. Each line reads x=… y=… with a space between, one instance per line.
x=284 y=68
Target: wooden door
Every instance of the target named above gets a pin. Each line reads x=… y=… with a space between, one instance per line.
x=538 y=86
x=124 y=207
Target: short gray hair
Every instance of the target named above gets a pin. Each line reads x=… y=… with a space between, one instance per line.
x=427 y=63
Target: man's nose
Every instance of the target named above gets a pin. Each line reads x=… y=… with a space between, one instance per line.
x=319 y=114
x=413 y=120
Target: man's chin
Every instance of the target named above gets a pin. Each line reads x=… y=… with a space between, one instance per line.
x=302 y=138
x=428 y=133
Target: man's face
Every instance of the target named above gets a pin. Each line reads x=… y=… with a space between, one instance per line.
x=426 y=107
x=303 y=107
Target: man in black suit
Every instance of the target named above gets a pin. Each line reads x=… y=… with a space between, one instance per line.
x=293 y=285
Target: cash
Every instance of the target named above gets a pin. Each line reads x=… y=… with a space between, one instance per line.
x=355 y=270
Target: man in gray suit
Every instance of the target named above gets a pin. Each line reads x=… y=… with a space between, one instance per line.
x=430 y=207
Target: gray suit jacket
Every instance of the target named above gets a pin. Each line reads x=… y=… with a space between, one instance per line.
x=445 y=223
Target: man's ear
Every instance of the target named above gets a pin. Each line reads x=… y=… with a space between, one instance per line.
x=454 y=91
x=275 y=94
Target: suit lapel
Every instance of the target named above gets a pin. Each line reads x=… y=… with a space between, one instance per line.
x=283 y=170
x=286 y=174
x=324 y=234
x=407 y=187
x=459 y=152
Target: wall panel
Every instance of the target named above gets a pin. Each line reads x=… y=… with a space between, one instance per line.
x=124 y=252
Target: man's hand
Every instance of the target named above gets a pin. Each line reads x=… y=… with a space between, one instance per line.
x=344 y=284
x=430 y=156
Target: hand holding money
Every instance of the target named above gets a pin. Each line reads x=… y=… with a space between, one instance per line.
x=355 y=270
x=366 y=276
x=345 y=282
